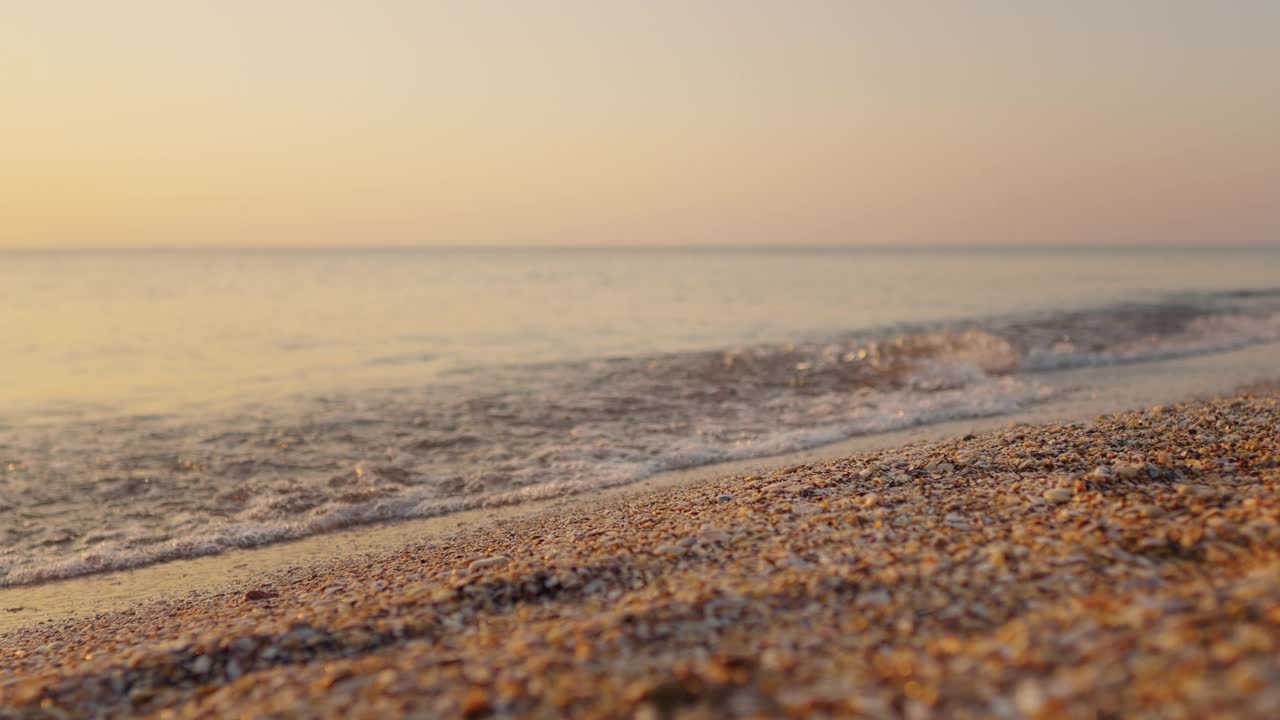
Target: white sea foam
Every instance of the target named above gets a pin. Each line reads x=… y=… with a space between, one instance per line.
x=588 y=462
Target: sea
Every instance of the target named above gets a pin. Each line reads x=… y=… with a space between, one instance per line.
x=165 y=404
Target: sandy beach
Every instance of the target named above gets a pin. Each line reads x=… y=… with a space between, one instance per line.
x=653 y=361
x=1124 y=566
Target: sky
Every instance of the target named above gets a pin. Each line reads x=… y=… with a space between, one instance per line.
x=146 y=123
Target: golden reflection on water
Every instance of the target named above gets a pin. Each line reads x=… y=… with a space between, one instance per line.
x=118 y=333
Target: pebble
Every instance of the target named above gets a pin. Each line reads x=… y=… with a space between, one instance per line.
x=486 y=563
x=1058 y=495
x=476 y=703
x=1130 y=471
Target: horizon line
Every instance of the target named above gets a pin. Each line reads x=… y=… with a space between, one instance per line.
x=702 y=247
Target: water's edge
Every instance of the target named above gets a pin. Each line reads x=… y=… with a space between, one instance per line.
x=108 y=494
x=1080 y=394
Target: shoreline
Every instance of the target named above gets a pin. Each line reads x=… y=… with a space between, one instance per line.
x=1119 y=567
x=1080 y=393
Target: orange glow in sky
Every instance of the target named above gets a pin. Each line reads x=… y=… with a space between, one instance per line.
x=291 y=123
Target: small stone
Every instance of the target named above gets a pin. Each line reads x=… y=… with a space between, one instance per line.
x=201 y=665
x=476 y=703
x=1130 y=471
x=1098 y=474
x=874 y=598
x=254 y=595
x=142 y=695
x=1058 y=495
x=1029 y=698
x=485 y=563
x=647 y=712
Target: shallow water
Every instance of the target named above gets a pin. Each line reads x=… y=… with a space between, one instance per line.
x=165 y=405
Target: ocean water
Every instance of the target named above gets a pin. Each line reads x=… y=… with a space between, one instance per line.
x=156 y=405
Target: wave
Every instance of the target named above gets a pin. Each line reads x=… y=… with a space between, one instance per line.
x=90 y=497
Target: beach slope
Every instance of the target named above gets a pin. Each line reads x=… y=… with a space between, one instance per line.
x=1126 y=566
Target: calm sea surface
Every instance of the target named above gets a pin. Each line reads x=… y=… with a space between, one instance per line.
x=167 y=404
x=138 y=332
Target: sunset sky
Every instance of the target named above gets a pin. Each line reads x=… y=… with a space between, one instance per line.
x=361 y=122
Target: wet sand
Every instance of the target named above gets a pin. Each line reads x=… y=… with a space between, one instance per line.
x=1124 y=566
